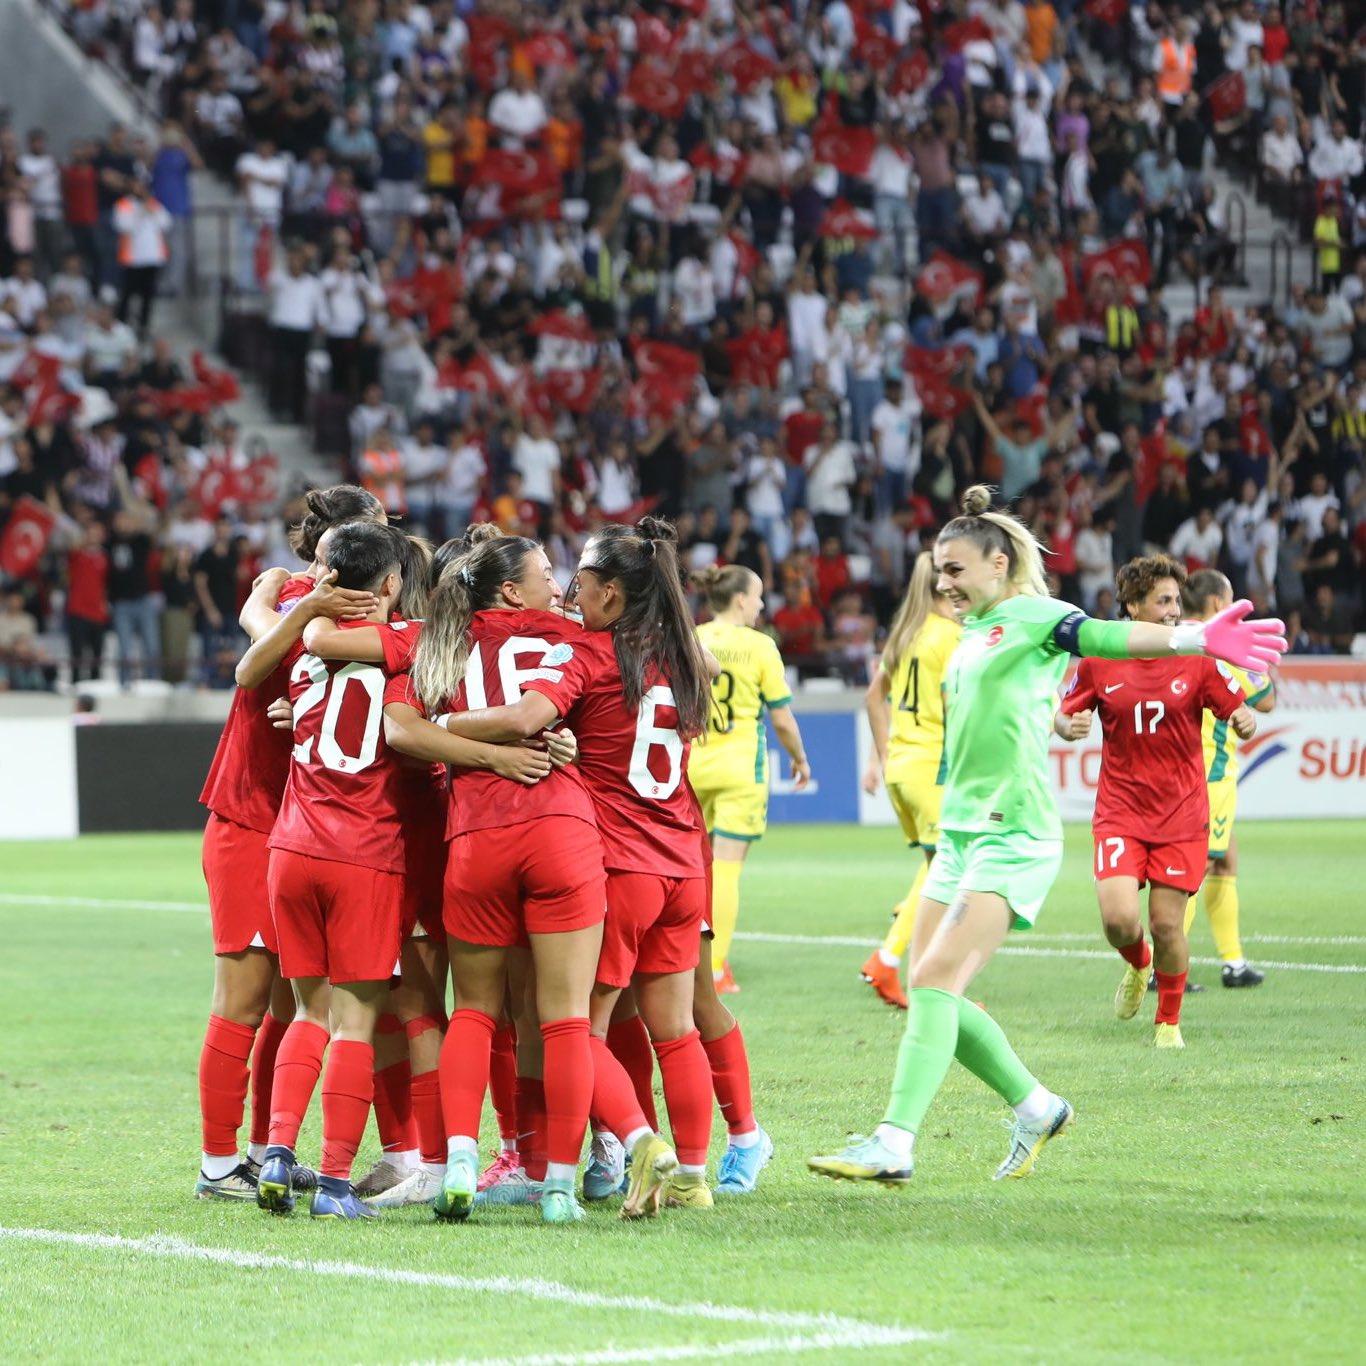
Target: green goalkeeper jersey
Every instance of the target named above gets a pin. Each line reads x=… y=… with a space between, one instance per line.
x=1000 y=694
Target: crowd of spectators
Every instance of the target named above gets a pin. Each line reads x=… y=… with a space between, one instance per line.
x=795 y=274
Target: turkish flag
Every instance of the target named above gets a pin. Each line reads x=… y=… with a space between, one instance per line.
x=1127 y=260
x=575 y=390
x=911 y=73
x=37 y=367
x=1227 y=97
x=756 y=355
x=846 y=149
x=744 y=66
x=747 y=252
x=478 y=377
x=843 y=220
x=657 y=395
x=550 y=49
x=221 y=383
x=657 y=87
x=217 y=485
x=49 y=402
x=26 y=537
x=664 y=358
x=184 y=398
x=696 y=71
x=944 y=277
x=260 y=481
x=727 y=167
x=941 y=399
x=522 y=172
x=567 y=326
x=940 y=362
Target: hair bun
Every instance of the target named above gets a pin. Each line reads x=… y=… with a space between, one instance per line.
x=657 y=529
x=976 y=500
x=479 y=532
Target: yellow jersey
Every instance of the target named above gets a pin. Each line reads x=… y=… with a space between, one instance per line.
x=734 y=747
x=1220 y=739
x=916 y=694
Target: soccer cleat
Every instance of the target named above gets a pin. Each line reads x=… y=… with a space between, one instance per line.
x=303 y=1180
x=238 y=1184
x=1168 y=1036
x=864 y=1159
x=606 y=1169
x=516 y=1188
x=1027 y=1139
x=337 y=1199
x=506 y=1161
x=455 y=1199
x=687 y=1191
x=1192 y=988
x=740 y=1167
x=1243 y=976
x=1130 y=992
x=558 y=1206
x=885 y=980
x=274 y=1188
x=419 y=1189
x=652 y=1163
x=383 y=1176
x=726 y=985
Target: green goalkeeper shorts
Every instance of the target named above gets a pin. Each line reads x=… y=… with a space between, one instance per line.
x=1015 y=866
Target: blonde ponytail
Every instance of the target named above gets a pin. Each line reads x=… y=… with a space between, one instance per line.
x=916 y=605
x=993 y=531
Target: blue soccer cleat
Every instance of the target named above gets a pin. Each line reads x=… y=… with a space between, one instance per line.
x=335 y=1199
x=739 y=1171
x=515 y=1188
x=455 y=1199
x=605 y=1174
x=558 y=1205
x=274 y=1185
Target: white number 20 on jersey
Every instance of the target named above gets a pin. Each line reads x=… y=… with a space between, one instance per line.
x=330 y=753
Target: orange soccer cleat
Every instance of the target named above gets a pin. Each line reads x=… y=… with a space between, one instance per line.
x=726 y=985
x=885 y=980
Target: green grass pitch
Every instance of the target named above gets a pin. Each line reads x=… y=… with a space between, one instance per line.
x=1207 y=1206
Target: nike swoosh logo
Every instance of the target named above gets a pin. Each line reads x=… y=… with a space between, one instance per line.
x=1114 y=687
x=1176 y=872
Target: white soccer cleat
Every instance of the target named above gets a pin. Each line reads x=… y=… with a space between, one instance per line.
x=418 y=1188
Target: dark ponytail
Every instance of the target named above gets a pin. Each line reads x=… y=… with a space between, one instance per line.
x=655 y=628
x=331 y=507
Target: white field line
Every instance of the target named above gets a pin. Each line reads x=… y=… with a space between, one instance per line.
x=820 y=1330
x=758 y=937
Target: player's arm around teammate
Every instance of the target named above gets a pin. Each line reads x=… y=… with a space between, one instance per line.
x=1000 y=844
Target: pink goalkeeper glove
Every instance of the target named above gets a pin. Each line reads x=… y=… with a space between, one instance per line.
x=1229 y=636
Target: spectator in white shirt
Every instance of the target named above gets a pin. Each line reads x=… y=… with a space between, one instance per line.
x=806 y=322
x=39 y=168
x=1266 y=549
x=890 y=173
x=984 y=212
x=618 y=486
x=424 y=469
x=517 y=111
x=466 y=471
x=765 y=476
x=1282 y=155
x=143 y=226
x=349 y=297
x=1032 y=144
x=1197 y=540
x=830 y=474
x=1336 y=156
x=896 y=443
x=261 y=176
x=694 y=290
x=296 y=306
x=536 y=457
x=1095 y=553
x=24 y=294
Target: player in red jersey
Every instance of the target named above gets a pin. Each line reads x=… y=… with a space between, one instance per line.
x=524 y=865
x=1152 y=809
x=251 y=1008
x=634 y=688
x=338 y=855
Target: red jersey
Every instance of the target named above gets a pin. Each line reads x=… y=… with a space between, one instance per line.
x=1152 y=774
x=251 y=764
x=398 y=640
x=87 y=585
x=507 y=651
x=634 y=763
x=347 y=792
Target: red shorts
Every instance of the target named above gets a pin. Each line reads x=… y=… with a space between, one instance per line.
x=654 y=924
x=423 y=888
x=334 y=920
x=1180 y=864
x=536 y=877
x=235 y=860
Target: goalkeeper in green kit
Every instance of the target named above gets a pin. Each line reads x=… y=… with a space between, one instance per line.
x=1000 y=842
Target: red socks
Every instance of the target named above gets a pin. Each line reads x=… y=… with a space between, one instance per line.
x=1171 y=987
x=223 y=1083
x=393 y=1096
x=503 y=1080
x=568 y=1088
x=297 y=1065
x=464 y=1071
x=614 y=1098
x=1138 y=955
x=530 y=1129
x=263 y=1053
x=730 y=1080
x=630 y=1044
x=348 y=1084
x=687 y=1095
x=425 y=1092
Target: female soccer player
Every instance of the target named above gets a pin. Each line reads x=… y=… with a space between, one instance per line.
x=245 y=784
x=729 y=764
x=634 y=688
x=906 y=714
x=1206 y=592
x=1152 y=813
x=1000 y=842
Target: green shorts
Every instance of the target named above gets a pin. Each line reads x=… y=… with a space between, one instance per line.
x=1013 y=865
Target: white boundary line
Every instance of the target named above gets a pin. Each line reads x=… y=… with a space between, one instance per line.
x=722 y=1351
x=1034 y=949
x=807 y=1332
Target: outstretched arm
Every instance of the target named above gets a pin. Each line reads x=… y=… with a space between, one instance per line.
x=1228 y=635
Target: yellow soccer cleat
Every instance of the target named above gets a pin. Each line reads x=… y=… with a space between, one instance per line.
x=653 y=1162
x=1169 y=1036
x=687 y=1190
x=1132 y=988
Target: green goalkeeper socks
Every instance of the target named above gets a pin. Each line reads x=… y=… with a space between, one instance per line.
x=927 y=1049
x=986 y=1052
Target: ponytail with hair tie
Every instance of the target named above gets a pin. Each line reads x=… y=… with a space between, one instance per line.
x=1000 y=533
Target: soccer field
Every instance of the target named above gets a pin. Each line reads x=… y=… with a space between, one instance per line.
x=1208 y=1204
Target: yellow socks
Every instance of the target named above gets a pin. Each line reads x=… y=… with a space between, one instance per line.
x=899 y=936
x=1190 y=912
x=725 y=908
x=1221 y=905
